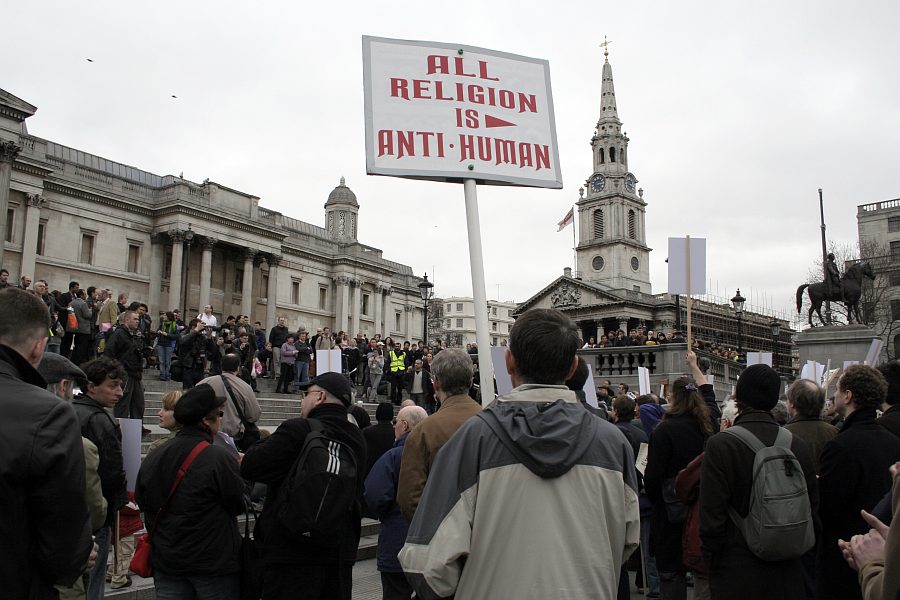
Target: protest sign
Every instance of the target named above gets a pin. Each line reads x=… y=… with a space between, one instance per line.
x=328 y=361
x=643 y=380
x=501 y=375
x=590 y=388
x=759 y=358
x=131 y=449
x=687 y=271
x=874 y=351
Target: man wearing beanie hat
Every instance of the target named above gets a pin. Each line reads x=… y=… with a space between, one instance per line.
x=727 y=480
x=380 y=436
x=292 y=562
x=200 y=514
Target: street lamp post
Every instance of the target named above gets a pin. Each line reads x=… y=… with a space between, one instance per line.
x=738 y=303
x=188 y=238
x=426 y=290
x=775 y=326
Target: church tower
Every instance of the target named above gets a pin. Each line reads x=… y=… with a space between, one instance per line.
x=612 y=245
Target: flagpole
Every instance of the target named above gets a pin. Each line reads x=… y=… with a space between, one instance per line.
x=574 y=244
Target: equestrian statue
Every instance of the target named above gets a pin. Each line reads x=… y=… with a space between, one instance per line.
x=846 y=289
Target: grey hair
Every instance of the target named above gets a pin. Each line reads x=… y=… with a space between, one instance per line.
x=413 y=415
x=454 y=370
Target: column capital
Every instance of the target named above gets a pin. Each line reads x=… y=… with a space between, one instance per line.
x=209 y=242
x=355 y=282
x=273 y=261
x=9 y=151
x=250 y=253
x=408 y=308
x=35 y=200
x=341 y=280
x=158 y=238
x=177 y=235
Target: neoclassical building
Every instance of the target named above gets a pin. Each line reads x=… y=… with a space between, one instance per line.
x=610 y=288
x=172 y=243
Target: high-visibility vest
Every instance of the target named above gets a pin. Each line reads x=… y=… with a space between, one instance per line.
x=398 y=361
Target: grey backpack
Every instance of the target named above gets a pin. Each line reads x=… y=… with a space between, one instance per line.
x=779 y=525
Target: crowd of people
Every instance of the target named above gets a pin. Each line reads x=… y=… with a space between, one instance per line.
x=538 y=495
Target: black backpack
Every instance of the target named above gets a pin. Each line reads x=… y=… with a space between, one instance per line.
x=320 y=490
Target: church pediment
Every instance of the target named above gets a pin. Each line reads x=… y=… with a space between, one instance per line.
x=15 y=107
x=567 y=293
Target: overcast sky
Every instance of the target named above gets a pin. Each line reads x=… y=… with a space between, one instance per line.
x=737 y=112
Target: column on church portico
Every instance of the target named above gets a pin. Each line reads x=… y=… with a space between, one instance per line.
x=206 y=271
x=156 y=271
x=378 y=316
x=34 y=203
x=177 y=238
x=623 y=324
x=407 y=334
x=341 y=325
x=247 y=286
x=355 y=302
x=272 y=293
x=8 y=153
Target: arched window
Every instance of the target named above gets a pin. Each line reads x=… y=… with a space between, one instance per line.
x=601 y=156
x=612 y=154
x=598 y=223
x=631 y=224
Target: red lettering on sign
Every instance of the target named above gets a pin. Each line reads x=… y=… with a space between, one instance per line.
x=405 y=143
x=505 y=149
x=385 y=142
x=525 y=155
x=482 y=71
x=476 y=94
x=439 y=91
x=466 y=147
x=529 y=102
x=460 y=69
x=438 y=64
x=542 y=155
x=420 y=88
x=399 y=88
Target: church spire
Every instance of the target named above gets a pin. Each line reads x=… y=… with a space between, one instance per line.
x=608 y=112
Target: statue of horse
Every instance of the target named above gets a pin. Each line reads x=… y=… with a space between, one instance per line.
x=849 y=292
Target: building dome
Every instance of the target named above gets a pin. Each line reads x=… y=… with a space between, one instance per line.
x=341 y=195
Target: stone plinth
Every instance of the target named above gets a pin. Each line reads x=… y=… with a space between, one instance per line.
x=838 y=343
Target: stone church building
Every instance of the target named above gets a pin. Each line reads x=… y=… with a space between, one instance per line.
x=69 y=215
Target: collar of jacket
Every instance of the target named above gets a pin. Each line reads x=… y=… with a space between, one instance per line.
x=87 y=401
x=401 y=440
x=533 y=392
x=859 y=417
x=454 y=400
x=194 y=431
x=20 y=368
x=892 y=409
x=752 y=415
x=799 y=419
x=328 y=408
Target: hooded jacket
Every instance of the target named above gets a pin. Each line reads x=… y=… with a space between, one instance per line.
x=535 y=498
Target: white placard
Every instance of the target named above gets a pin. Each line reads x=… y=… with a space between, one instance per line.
x=850 y=363
x=131 y=449
x=709 y=378
x=874 y=351
x=590 y=388
x=759 y=358
x=501 y=375
x=812 y=370
x=443 y=111
x=640 y=461
x=328 y=361
x=643 y=380
x=678 y=266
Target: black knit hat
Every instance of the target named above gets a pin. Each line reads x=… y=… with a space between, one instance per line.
x=196 y=403
x=384 y=413
x=758 y=387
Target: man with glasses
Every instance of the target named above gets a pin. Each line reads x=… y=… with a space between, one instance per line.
x=291 y=562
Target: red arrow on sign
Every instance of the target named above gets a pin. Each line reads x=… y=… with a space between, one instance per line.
x=490 y=121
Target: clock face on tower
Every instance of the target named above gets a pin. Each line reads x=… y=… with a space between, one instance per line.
x=597 y=183
x=629 y=183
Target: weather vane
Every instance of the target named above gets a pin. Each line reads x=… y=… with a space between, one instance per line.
x=605 y=46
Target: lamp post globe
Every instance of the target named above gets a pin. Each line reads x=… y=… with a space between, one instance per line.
x=738 y=303
x=775 y=327
x=426 y=290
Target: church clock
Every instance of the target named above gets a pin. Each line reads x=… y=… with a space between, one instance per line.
x=629 y=183
x=597 y=183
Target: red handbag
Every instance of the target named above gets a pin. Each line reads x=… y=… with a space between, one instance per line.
x=140 y=560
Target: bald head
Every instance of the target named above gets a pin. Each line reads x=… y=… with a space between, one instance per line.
x=407 y=418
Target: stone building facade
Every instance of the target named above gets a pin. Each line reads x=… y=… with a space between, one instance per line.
x=458 y=326
x=173 y=243
x=878 y=228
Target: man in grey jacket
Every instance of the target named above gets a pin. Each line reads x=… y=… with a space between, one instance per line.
x=534 y=470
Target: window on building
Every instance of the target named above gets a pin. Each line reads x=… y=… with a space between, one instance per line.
x=895 y=251
x=323 y=297
x=598 y=223
x=494 y=310
x=449 y=323
x=134 y=258
x=42 y=234
x=365 y=304
x=295 y=291
x=10 y=224
x=612 y=155
x=601 y=156
x=459 y=323
x=895 y=278
x=237 y=286
x=895 y=310
x=494 y=341
x=397 y=320
x=448 y=307
x=893 y=224
x=459 y=307
x=87 y=248
x=264 y=286
x=631 y=224
x=494 y=326
x=167 y=263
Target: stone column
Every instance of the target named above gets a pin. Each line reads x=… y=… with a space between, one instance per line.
x=272 y=293
x=175 y=271
x=407 y=334
x=8 y=153
x=387 y=314
x=341 y=325
x=206 y=270
x=355 y=302
x=247 y=298
x=623 y=324
x=379 y=325
x=32 y=219
x=156 y=269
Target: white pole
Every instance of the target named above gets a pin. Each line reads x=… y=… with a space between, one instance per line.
x=476 y=261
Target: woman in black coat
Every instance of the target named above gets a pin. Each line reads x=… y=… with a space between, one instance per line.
x=680 y=437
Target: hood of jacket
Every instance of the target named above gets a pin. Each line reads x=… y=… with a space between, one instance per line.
x=544 y=426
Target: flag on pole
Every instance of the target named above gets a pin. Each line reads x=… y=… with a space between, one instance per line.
x=567 y=220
